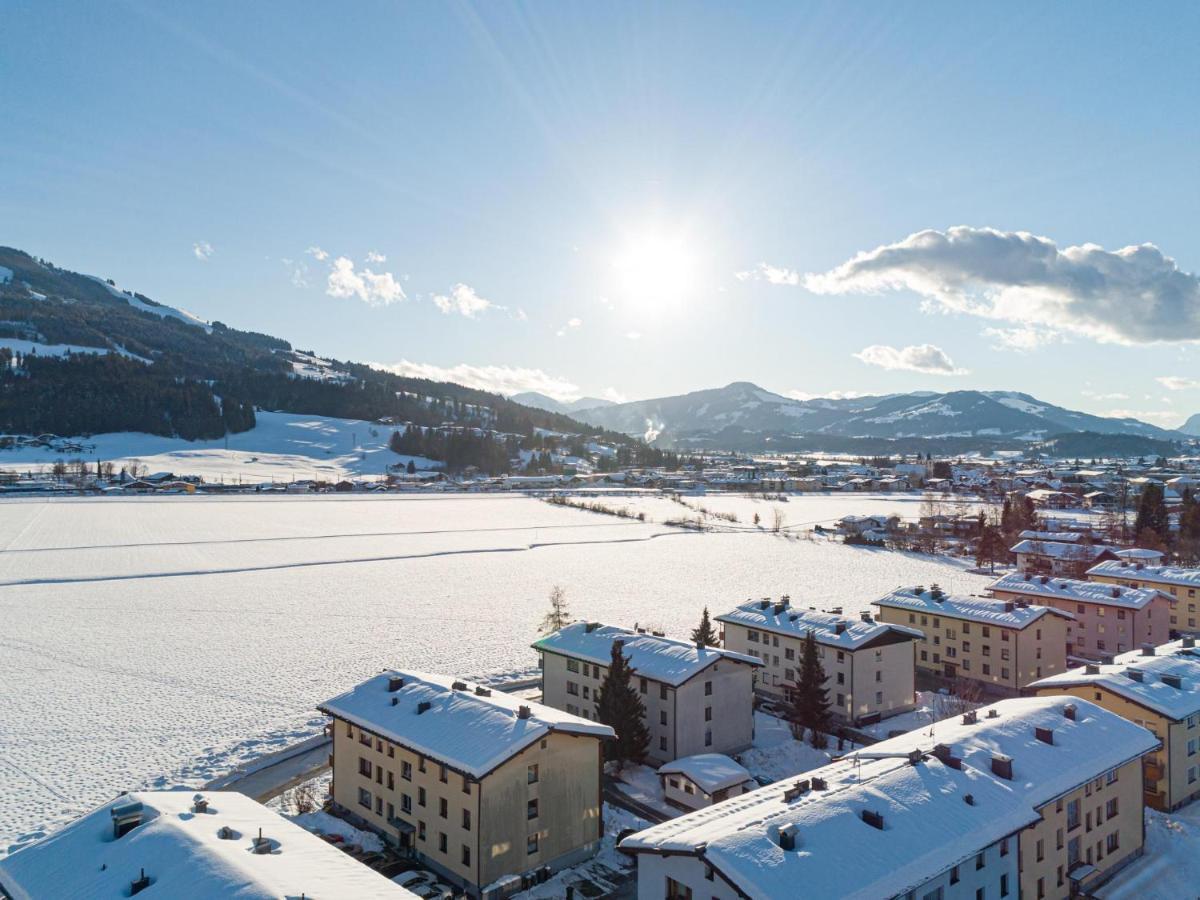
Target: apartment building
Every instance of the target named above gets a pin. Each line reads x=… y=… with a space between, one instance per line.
x=697 y=699
x=1110 y=619
x=457 y=774
x=1032 y=797
x=1159 y=689
x=869 y=664
x=1179 y=584
x=1001 y=644
x=183 y=845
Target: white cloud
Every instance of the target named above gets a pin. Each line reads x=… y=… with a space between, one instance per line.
x=1022 y=339
x=1177 y=382
x=770 y=274
x=1164 y=418
x=920 y=358
x=1134 y=295
x=614 y=395
x=202 y=250
x=371 y=288
x=318 y=253
x=376 y=257
x=828 y=395
x=299 y=270
x=1113 y=396
x=572 y=324
x=463 y=300
x=505 y=380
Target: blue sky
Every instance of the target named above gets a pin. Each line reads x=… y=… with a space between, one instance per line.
x=637 y=199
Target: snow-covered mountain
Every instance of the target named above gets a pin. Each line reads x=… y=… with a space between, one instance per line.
x=746 y=407
x=1192 y=425
x=549 y=404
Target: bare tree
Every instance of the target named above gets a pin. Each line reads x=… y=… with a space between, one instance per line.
x=559 y=616
x=965 y=695
x=776 y=519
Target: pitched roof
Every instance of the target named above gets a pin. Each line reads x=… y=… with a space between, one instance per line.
x=1132 y=571
x=782 y=618
x=470 y=728
x=986 y=610
x=1074 y=589
x=186 y=859
x=1139 y=678
x=651 y=656
x=928 y=824
x=1055 y=550
x=711 y=771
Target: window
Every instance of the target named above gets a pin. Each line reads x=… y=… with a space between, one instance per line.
x=442 y=775
x=379 y=806
x=531 y=774
x=466 y=855
x=1041 y=888
x=1004 y=885
x=531 y=845
x=531 y=809
x=708 y=689
x=1041 y=850
x=1113 y=842
x=443 y=808
x=572 y=688
x=379 y=774
x=406 y=803
x=878 y=675
x=466 y=785
x=789 y=653
x=391 y=781
x=391 y=812
x=421 y=830
x=442 y=842
x=586 y=693
x=420 y=796
x=1004 y=847
x=572 y=665
x=987 y=669
x=1072 y=815
x=954 y=875
x=466 y=820
x=879 y=698
x=364 y=798
x=364 y=767
x=979 y=861
x=1004 y=672
x=662 y=692
x=662 y=743
x=662 y=717
x=708 y=714
x=841 y=701
x=966 y=627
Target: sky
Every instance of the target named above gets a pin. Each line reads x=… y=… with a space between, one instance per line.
x=631 y=200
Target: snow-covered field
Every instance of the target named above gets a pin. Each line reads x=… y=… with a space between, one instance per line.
x=159 y=641
x=281 y=447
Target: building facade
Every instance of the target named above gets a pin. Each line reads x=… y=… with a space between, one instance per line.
x=869 y=664
x=697 y=699
x=1180 y=586
x=457 y=774
x=1000 y=644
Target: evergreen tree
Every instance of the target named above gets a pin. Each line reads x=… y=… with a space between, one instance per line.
x=810 y=698
x=619 y=706
x=704 y=633
x=411 y=468
x=1151 y=522
x=559 y=616
x=991 y=546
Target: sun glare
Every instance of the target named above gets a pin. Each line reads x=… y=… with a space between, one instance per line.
x=655 y=268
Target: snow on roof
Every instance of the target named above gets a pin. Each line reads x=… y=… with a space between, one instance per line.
x=1176 y=660
x=1058 y=550
x=185 y=858
x=709 y=771
x=1074 y=589
x=987 y=610
x=651 y=656
x=782 y=618
x=928 y=826
x=1119 y=568
x=1140 y=553
x=1062 y=537
x=470 y=728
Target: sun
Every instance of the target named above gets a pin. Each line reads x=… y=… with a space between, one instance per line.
x=655 y=267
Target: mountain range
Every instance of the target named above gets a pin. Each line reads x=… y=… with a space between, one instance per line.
x=541 y=401
x=747 y=412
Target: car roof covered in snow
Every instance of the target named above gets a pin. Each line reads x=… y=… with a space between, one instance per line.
x=650 y=655
x=472 y=729
x=928 y=822
x=1074 y=589
x=783 y=618
x=1167 y=682
x=987 y=610
x=710 y=771
x=1135 y=571
x=182 y=852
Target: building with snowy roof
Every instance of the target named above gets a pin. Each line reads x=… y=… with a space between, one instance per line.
x=455 y=774
x=1002 y=645
x=1031 y=797
x=869 y=664
x=1158 y=688
x=697 y=699
x=1069 y=560
x=693 y=782
x=1109 y=618
x=188 y=847
x=1178 y=583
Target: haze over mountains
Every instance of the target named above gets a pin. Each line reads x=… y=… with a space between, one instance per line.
x=541 y=401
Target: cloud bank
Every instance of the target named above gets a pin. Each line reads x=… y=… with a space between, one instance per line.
x=1134 y=295
x=925 y=358
x=1177 y=382
x=371 y=288
x=505 y=380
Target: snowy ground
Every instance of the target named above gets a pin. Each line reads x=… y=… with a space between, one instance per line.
x=777 y=755
x=281 y=447
x=1170 y=867
x=161 y=641
x=931 y=707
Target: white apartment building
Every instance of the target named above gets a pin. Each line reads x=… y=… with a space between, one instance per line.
x=870 y=665
x=1035 y=797
x=697 y=699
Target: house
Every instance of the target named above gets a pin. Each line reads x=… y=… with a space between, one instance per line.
x=1142 y=555
x=455 y=774
x=1109 y=619
x=869 y=664
x=1159 y=689
x=188 y=847
x=1048 y=499
x=697 y=699
x=1179 y=584
x=1035 y=797
x=999 y=644
x=1069 y=560
x=694 y=782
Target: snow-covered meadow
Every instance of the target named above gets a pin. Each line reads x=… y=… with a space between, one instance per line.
x=159 y=641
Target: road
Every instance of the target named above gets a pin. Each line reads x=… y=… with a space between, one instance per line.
x=271 y=775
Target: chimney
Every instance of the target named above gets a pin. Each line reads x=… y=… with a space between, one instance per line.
x=993 y=714
x=1028 y=576
x=1140 y=566
x=1188 y=642
x=199 y=804
x=524 y=712
x=970 y=717
x=1009 y=606
x=1045 y=579
x=1135 y=674
x=1116 y=592
x=126 y=817
x=1173 y=681
x=142 y=882
x=1091 y=669
x=1147 y=649
x=763 y=604
x=795 y=790
x=483 y=692
x=1002 y=766
x=872 y=818
x=787 y=836
x=1071 y=709
x=839 y=628
x=458 y=685
x=395 y=682
x=969 y=799
x=780 y=607
x=866 y=616
x=590 y=627
x=819 y=784
x=785 y=600
x=423 y=707
x=261 y=844
x=1045 y=735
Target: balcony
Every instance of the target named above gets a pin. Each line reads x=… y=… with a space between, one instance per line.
x=1152 y=770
